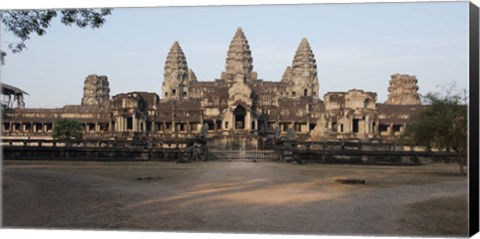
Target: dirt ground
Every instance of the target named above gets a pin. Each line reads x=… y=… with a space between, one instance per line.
x=262 y=197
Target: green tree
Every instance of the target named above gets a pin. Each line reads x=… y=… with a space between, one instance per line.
x=22 y=23
x=443 y=125
x=67 y=130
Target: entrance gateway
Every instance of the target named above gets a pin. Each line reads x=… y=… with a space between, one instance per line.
x=239 y=114
x=240 y=147
x=247 y=155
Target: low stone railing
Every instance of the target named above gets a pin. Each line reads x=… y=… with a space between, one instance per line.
x=93 y=149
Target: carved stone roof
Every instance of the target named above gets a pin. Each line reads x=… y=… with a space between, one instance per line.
x=337 y=97
x=317 y=106
x=270 y=83
x=66 y=109
x=149 y=100
x=239 y=57
x=188 y=105
x=191 y=75
x=165 y=107
x=84 y=109
x=86 y=113
x=399 y=114
x=187 y=110
x=96 y=90
x=212 y=89
x=287 y=75
x=293 y=110
x=400 y=109
x=304 y=66
x=202 y=84
x=164 y=111
x=176 y=68
x=403 y=90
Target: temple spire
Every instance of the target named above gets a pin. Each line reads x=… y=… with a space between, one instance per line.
x=176 y=68
x=96 y=91
x=175 y=73
x=303 y=72
x=403 y=90
x=304 y=62
x=287 y=75
x=239 y=58
x=191 y=76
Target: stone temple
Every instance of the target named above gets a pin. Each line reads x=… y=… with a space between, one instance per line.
x=237 y=104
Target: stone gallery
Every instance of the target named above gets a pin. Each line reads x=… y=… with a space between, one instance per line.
x=238 y=103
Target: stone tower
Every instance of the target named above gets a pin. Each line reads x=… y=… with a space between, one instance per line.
x=96 y=91
x=302 y=76
x=239 y=59
x=403 y=90
x=287 y=75
x=191 y=76
x=175 y=76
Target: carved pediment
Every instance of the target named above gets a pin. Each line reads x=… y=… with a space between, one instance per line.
x=239 y=92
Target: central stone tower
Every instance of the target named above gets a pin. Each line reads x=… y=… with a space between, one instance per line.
x=239 y=59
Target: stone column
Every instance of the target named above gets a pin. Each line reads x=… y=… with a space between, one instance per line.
x=308 y=124
x=390 y=130
x=367 y=125
x=134 y=123
x=347 y=127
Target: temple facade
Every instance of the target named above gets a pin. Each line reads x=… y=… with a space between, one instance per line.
x=236 y=104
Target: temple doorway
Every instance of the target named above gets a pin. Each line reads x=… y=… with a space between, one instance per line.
x=239 y=114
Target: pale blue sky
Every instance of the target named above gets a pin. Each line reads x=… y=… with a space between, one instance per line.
x=355 y=45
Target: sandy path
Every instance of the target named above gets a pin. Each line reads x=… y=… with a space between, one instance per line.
x=234 y=197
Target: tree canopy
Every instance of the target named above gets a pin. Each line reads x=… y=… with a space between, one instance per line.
x=443 y=125
x=23 y=23
x=67 y=129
